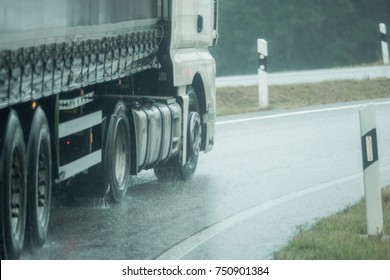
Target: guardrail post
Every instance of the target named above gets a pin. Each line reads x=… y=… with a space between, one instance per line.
x=372 y=181
x=262 y=50
x=385 y=48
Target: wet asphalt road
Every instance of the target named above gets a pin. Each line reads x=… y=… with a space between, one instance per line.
x=269 y=174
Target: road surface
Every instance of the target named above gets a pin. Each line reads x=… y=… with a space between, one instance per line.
x=269 y=174
x=309 y=76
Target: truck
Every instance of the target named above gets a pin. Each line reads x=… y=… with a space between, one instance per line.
x=93 y=92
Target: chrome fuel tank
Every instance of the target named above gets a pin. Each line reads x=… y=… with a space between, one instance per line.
x=158 y=132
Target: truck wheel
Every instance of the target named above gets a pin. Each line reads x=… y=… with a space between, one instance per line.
x=110 y=178
x=117 y=155
x=173 y=169
x=39 y=181
x=13 y=190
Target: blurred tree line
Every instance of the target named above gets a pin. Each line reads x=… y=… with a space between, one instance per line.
x=301 y=34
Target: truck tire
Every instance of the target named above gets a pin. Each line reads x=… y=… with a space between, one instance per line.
x=39 y=181
x=13 y=177
x=173 y=169
x=110 y=178
x=117 y=153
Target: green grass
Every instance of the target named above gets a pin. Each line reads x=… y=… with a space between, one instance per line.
x=339 y=237
x=234 y=100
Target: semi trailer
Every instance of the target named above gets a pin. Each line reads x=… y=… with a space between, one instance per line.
x=94 y=91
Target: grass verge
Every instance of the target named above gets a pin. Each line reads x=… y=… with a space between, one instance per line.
x=339 y=237
x=234 y=100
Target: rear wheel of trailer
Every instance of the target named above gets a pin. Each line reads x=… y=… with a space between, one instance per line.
x=13 y=188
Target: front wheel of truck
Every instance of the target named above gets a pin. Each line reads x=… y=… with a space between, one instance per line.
x=173 y=168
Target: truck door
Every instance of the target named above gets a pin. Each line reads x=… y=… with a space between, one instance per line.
x=194 y=23
x=207 y=20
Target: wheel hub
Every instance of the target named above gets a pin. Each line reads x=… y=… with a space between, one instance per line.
x=194 y=134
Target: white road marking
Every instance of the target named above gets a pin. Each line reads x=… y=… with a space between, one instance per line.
x=305 y=112
x=181 y=249
x=201 y=237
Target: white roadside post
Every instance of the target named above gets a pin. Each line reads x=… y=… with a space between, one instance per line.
x=262 y=50
x=372 y=181
x=385 y=48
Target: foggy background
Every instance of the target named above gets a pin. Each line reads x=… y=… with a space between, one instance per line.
x=301 y=34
